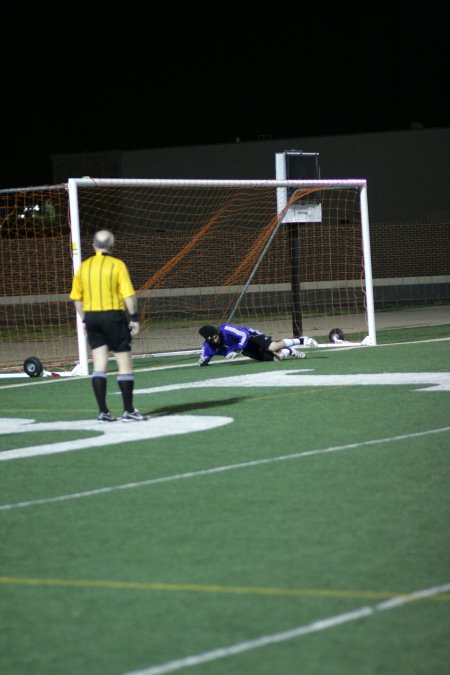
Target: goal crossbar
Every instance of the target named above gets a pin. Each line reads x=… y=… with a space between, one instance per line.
x=199 y=182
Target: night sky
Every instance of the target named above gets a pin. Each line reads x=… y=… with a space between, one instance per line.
x=96 y=78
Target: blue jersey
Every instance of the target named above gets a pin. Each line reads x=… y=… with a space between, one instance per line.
x=233 y=339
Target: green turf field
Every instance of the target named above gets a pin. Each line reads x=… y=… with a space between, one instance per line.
x=269 y=519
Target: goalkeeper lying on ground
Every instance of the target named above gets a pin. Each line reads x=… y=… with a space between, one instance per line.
x=229 y=341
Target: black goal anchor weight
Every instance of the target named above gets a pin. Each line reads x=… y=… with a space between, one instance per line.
x=33 y=366
x=335 y=335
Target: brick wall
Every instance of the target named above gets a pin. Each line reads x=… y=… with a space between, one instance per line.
x=411 y=249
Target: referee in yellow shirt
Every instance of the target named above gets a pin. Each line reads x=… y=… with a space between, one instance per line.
x=103 y=292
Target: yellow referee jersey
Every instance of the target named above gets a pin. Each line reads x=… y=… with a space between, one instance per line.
x=101 y=283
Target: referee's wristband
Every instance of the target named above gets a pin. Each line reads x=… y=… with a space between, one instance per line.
x=134 y=317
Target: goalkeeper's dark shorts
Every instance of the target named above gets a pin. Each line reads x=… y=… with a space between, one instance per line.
x=108 y=328
x=258 y=348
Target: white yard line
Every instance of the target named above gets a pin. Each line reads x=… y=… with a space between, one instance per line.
x=147 y=369
x=220 y=469
x=299 y=631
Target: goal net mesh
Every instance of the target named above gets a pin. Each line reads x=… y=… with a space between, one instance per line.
x=196 y=254
x=36 y=318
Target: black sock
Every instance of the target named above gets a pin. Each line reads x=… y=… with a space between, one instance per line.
x=99 y=387
x=126 y=385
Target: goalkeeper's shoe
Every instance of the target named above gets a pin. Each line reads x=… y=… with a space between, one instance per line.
x=134 y=416
x=296 y=354
x=310 y=342
x=106 y=417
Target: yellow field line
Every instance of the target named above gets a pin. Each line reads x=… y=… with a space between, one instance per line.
x=204 y=588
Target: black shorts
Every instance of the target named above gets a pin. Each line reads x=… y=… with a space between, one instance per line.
x=258 y=348
x=108 y=328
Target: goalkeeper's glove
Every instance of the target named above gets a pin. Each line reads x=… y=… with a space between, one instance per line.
x=253 y=331
x=203 y=361
x=231 y=355
x=310 y=342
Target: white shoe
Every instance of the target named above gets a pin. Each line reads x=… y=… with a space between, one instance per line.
x=310 y=342
x=106 y=417
x=297 y=355
x=134 y=416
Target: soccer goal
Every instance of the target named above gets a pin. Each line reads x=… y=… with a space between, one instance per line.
x=285 y=257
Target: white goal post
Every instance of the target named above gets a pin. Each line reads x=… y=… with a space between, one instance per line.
x=241 y=251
